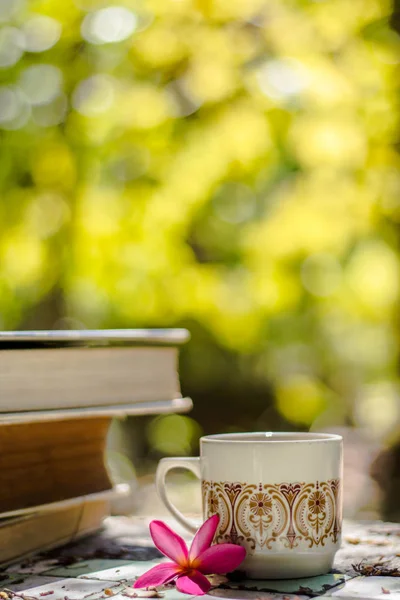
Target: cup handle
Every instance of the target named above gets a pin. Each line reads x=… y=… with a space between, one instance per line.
x=165 y=465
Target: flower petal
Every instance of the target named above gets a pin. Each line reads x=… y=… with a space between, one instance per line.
x=158 y=575
x=195 y=584
x=204 y=537
x=221 y=558
x=169 y=543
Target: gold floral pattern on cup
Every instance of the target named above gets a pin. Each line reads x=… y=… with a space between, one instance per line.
x=292 y=515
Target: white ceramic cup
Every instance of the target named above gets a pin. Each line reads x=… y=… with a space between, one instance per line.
x=277 y=494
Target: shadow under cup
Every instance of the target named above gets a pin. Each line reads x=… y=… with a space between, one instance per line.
x=277 y=494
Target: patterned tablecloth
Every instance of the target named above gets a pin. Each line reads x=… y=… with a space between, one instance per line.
x=105 y=566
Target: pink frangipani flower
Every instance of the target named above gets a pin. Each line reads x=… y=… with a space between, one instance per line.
x=189 y=567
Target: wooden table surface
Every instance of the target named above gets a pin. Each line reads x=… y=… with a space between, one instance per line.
x=105 y=566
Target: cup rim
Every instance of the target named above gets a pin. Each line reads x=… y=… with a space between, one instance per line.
x=260 y=437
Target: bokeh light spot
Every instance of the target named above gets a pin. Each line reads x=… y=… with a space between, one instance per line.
x=373 y=275
x=46 y=214
x=174 y=434
x=145 y=106
x=8 y=8
x=300 y=399
x=321 y=274
x=280 y=79
x=377 y=408
x=94 y=95
x=108 y=25
x=22 y=258
x=51 y=113
x=11 y=46
x=10 y=104
x=40 y=83
x=41 y=33
x=14 y=109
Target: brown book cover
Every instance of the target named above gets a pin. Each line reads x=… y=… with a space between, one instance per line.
x=22 y=536
x=51 y=461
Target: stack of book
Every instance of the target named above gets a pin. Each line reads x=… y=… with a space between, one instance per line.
x=59 y=392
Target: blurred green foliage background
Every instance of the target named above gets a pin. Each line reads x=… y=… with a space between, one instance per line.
x=225 y=165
